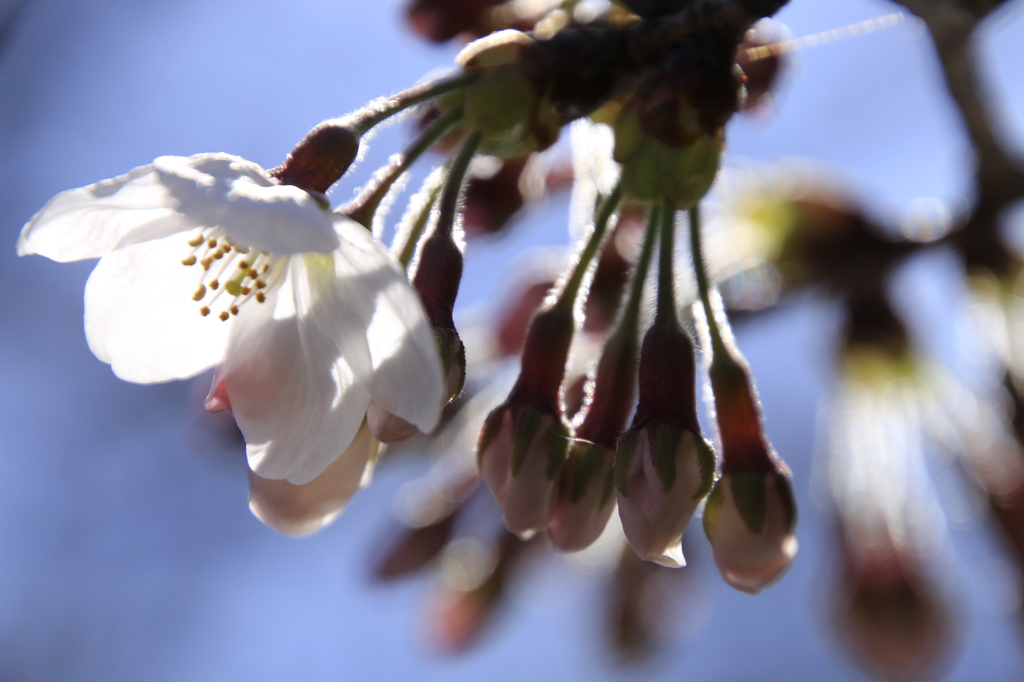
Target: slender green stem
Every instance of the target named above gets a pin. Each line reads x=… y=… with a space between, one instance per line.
x=366 y=205
x=449 y=204
x=631 y=316
x=418 y=226
x=378 y=111
x=604 y=214
x=666 y=264
x=703 y=285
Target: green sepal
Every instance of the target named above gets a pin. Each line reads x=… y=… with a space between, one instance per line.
x=500 y=103
x=749 y=494
x=623 y=458
x=451 y=349
x=706 y=460
x=640 y=176
x=664 y=441
x=525 y=422
x=784 y=488
x=590 y=460
x=687 y=172
x=556 y=442
x=488 y=432
x=712 y=508
x=628 y=135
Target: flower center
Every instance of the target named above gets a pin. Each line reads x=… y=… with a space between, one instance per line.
x=227 y=268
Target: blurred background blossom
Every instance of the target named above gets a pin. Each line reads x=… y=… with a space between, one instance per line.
x=128 y=552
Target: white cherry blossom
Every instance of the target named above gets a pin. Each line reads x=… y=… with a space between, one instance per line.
x=208 y=261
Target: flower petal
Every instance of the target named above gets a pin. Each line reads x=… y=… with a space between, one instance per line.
x=298 y=401
x=303 y=509
x=252 y=209
x=89 y=222
x=408 y=379
x=141 y=318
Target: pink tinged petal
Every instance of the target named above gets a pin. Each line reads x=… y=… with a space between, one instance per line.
x=303 y=509
x=217 y=399
x=408 y=380
x=140 y=316
x=527 y=497
x=577 y=523
x=92 y=221
x=239 y=197
x=386 y=427
x=748 y=561
x=653 y=520
x=297 y=400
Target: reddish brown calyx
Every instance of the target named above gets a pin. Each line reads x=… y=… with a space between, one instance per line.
x=668 y=377
x=745 y=448
x=614 y=388
x=320 y=159
x=544 y=356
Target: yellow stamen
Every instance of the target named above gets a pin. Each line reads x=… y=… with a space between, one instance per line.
x=204 y=311
x=200 y=292
x=224 y=316
x=191 y=260
x=214 y=284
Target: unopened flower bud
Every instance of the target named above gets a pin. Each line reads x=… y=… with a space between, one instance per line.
x=586 y=498
x=749 y=520
x=320 y=159
x=890 y=614
x=303 y=509
x=441 y=20
x=663 y=466
x=666 y=473
x=524 y=441
x=437 y=280
x=521 y=451
x=751 y=513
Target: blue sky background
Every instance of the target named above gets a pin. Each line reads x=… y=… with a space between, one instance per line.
x=126 y=548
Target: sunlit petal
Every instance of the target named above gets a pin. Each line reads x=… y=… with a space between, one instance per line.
x=89 y=222
x=141 y=318
x=296 y=399
x=304 y=509
x=238 y=196
x=407 y=376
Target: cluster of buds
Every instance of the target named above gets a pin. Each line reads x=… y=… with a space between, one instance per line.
x=563 y=451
